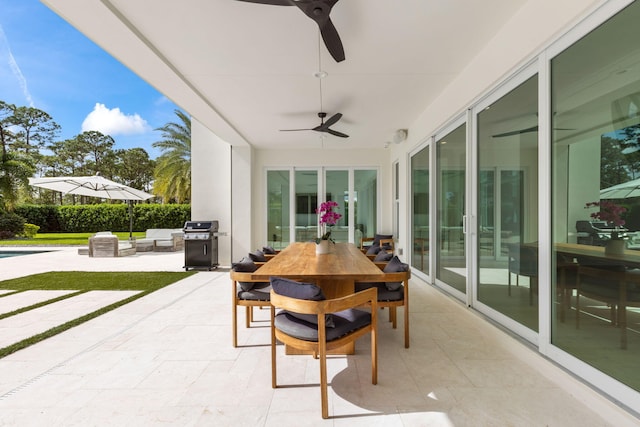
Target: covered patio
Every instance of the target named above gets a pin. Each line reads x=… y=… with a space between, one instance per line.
x=167 y=359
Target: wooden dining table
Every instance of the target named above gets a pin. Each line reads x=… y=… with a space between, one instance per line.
x=335 y=273
x=628 y=258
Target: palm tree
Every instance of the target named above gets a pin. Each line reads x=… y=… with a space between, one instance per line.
x=172 y=179
x=15 y=171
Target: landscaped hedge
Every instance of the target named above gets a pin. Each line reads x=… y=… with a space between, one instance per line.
x=104 y=217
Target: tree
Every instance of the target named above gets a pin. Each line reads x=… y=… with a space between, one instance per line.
x=173 y=166
x=15 y=170
x=99 y=152
x=35 y=129
x=6 y=116
x=614 y=166
x=135 y=168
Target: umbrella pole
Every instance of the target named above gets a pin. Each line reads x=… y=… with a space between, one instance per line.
x=130 y=220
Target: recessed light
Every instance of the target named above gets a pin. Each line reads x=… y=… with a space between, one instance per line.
x=320 y=74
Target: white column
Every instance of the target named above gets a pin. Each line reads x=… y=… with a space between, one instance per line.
x=221 y=189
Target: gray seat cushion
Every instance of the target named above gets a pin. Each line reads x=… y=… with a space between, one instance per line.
x=384 y=294
x=260 y=291
x=345 y=322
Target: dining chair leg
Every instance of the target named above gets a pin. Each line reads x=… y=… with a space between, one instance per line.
x=273 y=348
x=322 y=349
x=393 y=315
x=374 y=350
x=234 y=323
x=247 y=316
x=578 y=307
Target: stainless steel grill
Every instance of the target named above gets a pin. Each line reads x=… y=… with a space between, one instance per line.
x=200 y=244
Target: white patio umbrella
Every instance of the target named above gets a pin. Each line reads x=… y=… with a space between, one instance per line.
x=93 y=186
x=625 y=190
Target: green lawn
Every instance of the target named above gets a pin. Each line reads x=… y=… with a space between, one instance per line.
x=56 y=239
x=82 y=281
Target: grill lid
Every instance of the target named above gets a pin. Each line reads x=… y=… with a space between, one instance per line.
x=200 y=226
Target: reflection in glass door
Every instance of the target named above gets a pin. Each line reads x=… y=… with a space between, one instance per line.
x=365 y=203
x=337 y=190
x=451 y=262
x=278 y=208
x=420 y=214
x=306 y=183
x=507 y=205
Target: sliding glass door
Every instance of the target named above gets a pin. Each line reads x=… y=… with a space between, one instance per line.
x=296 y=194
x=451 y=261
x=507 y=193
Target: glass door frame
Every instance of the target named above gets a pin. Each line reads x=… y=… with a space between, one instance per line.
x=321 y=189
x=463 y=119
x=519 y=77
x=427 y=144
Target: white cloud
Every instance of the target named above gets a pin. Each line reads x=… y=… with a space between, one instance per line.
x=114 y=122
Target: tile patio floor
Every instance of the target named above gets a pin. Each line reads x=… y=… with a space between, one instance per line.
x=167 y=360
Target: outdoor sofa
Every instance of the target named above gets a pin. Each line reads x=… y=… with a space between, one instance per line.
x=161 y=239
x=105 y=244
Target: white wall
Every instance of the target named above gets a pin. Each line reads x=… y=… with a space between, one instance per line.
x=211 y=184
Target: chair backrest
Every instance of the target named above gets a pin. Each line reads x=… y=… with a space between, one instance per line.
x=523 y=259
x=326 y=306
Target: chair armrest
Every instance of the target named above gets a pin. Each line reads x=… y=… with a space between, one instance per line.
x=368 y=296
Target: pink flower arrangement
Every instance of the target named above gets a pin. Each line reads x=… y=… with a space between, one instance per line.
x=609 y=212
x=327 y=218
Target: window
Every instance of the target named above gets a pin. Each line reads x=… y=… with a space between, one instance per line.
x=336 y=185
x=595 y=146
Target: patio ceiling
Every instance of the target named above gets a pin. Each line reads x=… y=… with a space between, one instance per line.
x=246 y=70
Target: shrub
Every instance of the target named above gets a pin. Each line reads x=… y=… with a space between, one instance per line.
x=44 y=216
x=11 y=224
x=104 y=217
x=30 y=231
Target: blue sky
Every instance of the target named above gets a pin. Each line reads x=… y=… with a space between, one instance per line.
x=47 y=64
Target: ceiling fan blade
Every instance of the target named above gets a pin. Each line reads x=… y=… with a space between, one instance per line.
x=319 y=11
x=332 y=41
x=516 y=132
x=272 y=2
x=333 y=119
x=293 y=130
x=336 y=133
